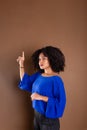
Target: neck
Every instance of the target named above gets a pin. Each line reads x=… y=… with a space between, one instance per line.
x=49 y=71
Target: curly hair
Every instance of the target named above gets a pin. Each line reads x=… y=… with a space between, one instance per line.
x=55 y=57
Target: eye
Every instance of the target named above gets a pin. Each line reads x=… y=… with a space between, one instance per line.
x=42 y=58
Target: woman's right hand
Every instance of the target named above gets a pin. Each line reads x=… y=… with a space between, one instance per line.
x=21 y=60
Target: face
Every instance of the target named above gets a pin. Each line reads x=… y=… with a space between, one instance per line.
x=43 y=61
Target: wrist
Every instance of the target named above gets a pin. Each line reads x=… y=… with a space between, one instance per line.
x=44 y=98
x=21 y=66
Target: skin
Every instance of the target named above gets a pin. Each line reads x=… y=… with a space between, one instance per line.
x=44 y=64
x=21 y=60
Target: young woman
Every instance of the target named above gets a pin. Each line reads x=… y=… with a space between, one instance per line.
x=46 y=87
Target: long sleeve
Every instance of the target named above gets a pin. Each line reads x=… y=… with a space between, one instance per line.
x=27 y=81
x=56 y=105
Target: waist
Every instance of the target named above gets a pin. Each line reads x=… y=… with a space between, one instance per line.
x=39 y=106
x=38 y=114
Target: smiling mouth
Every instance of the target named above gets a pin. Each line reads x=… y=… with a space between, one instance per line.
x=41 y=65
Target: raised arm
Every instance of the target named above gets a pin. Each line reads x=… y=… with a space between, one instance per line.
x=21 y=60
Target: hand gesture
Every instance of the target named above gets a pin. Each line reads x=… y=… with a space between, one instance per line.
x=21 y=60
x=35 y=96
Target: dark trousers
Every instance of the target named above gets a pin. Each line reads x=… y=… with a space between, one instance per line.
x=43 y=123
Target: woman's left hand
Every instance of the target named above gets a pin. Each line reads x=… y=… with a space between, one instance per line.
x=35 y=96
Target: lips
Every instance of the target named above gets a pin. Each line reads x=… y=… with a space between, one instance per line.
x=41 y=65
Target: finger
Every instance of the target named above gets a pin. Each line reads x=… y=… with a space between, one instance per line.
x=23 y=54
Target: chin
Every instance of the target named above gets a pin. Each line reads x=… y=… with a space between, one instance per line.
x=41 y=67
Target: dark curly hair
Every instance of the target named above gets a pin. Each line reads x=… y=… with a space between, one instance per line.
x=55 y=56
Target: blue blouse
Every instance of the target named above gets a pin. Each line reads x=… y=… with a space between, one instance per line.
x=52 y=87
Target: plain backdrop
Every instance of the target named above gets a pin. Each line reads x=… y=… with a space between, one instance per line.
x=26 y=25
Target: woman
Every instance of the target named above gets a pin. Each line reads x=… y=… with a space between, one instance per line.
x=46 y=87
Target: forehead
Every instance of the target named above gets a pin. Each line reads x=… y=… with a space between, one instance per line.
x=41 y=55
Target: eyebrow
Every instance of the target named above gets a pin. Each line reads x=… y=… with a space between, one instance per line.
x=42 y=57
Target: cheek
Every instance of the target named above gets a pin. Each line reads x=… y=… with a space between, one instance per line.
x=47 y=63
x=39 y=63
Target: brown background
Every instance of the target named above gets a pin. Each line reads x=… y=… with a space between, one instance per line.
x=31 y=24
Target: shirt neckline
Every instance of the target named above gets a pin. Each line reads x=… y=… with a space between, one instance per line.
x=49 y=76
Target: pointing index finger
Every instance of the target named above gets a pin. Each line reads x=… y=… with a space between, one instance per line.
x=23 y=54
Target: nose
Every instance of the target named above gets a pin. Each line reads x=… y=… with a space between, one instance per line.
x=41 y=61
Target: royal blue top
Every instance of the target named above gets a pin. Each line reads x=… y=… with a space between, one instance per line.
x=52 y=87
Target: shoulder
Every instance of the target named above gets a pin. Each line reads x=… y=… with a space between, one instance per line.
x=58 y=78
x=58 y=81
